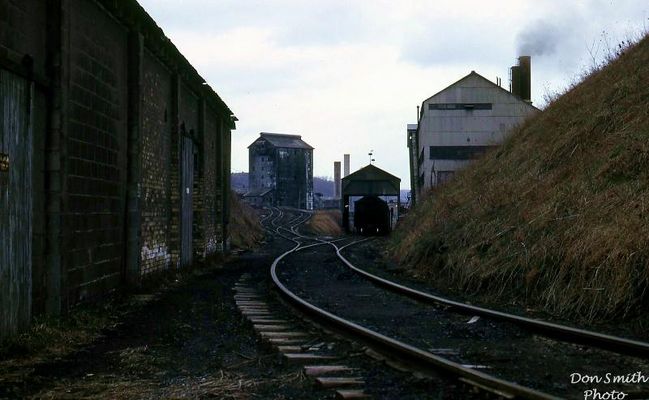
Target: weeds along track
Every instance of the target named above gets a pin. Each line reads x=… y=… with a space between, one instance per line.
x=486 y=349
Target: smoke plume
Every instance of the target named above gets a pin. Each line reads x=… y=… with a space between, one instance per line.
x=540 y=38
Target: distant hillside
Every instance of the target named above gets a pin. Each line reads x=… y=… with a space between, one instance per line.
x=324 y=185
x=558 y=216
x=239 y=181
x=320 y=184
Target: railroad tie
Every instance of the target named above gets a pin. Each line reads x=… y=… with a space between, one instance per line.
x=256 y=313
x=254 y=308
x=260 y=320
x=285 y=341
x=287 y=335
x=338 y=381
x=353 y=394
x=318 y=370
x=246 y=297
x=250 y=303
x=271 y=327
x=300 y=358
x=290 y=349
x=294 y=345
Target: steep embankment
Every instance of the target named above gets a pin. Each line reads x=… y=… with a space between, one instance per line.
x=557 y=217
x=245 y=230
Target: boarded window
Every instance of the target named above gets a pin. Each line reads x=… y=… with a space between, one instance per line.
x=460 y=106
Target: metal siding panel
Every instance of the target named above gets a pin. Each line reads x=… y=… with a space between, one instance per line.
x=15 y=204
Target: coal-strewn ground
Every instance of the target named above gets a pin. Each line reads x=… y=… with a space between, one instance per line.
x=497 y=348
x=186 y=341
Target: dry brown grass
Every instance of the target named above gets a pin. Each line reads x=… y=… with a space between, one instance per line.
x=220 y=385
x=325 y=223
x=245 y=230
x=558 y=216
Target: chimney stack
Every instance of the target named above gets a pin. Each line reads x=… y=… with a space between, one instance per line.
x=525 y=64
x=345 y=165
x=336 y=179
x=521 y=79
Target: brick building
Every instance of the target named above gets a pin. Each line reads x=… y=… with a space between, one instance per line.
x=114 y=155
x=283 y=163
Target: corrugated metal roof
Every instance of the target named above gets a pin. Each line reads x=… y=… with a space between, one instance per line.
x=284 y=140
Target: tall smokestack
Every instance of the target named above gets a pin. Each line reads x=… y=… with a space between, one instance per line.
x=515 y=80
x=336 y=179
x=521 y=79
x=525 y=64
x=345 y=165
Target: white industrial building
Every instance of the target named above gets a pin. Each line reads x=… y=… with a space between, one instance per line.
x=461 y=122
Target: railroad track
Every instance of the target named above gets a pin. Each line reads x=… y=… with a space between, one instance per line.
x=418 y=356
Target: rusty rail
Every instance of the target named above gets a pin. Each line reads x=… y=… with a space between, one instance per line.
x=557 y=331
x=422 y=358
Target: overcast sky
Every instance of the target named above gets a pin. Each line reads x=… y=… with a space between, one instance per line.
x=348 y=75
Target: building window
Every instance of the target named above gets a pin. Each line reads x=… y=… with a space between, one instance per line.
x=457 y=152
x=460 y=106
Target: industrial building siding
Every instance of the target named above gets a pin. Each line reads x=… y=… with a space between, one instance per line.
x=155 y=153
x=96 y=164
x=459 y=123
x=15 y=203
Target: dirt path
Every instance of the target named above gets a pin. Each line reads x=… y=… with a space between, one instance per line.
x=187 y=341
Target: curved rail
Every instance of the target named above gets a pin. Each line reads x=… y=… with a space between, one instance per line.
x=566 y=333
x=404 y=350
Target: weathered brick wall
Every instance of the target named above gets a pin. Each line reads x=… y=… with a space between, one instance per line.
x=40 y=275
x=155 y=193
x=220 y=175
x=110 y=94
x=227 y=187
x=23 y=30
x=174 y=175
x=198 y=209
x=96 y=155
x=211 y=237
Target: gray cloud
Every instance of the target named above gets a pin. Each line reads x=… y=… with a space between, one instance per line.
x=292 y=22
x=449 y=44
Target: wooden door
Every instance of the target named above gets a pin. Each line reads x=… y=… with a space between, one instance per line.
x=15 y=202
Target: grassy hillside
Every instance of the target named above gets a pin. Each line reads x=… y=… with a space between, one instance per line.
x=557 y=217
x=245 y=230
x=325 y=222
